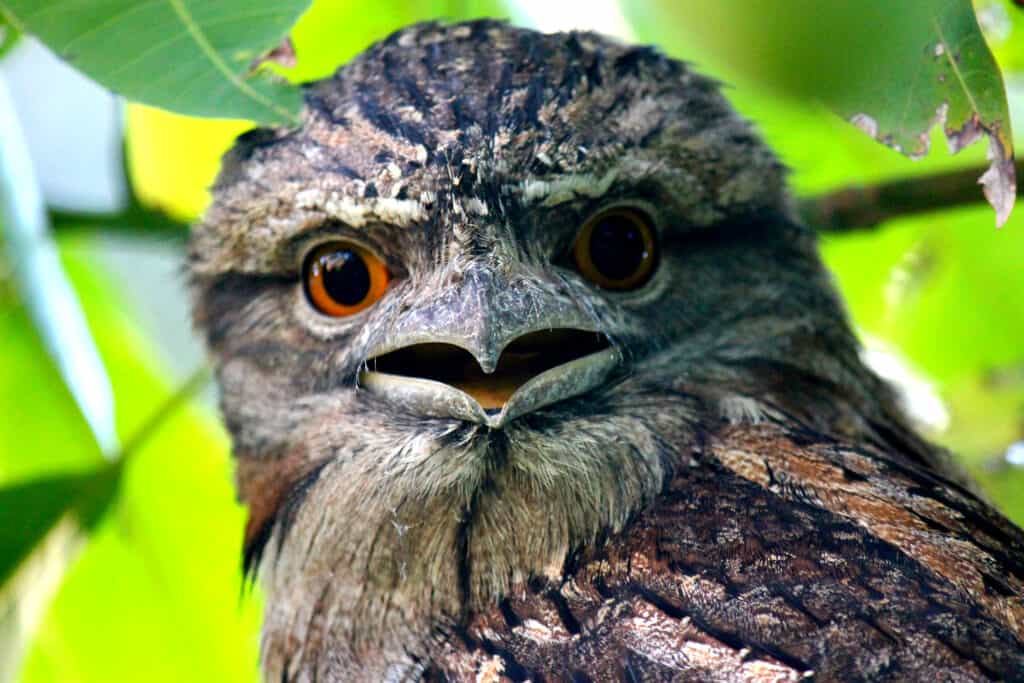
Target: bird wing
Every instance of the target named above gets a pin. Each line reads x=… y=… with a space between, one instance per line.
x=776 y=554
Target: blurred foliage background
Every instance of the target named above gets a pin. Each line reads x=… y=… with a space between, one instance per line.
x=153 y=591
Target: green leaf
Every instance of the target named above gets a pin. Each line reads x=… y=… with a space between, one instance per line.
x=8 y=36
x=44 y=432
x=29 y=511
x=154 y=595
x=932 y=66
x=188 y=56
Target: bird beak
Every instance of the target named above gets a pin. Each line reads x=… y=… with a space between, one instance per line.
x=535 y=370
x=487 y=351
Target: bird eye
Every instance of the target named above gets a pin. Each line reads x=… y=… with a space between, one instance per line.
x=616 y=249
x=342 y=278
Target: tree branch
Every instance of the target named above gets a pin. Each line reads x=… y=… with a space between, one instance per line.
x=856 y=207
x=860 y=207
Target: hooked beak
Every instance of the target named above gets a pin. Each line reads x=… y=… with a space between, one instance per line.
x=534 y=370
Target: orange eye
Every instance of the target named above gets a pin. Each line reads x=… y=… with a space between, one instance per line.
x=617 y=249
x=342 y=278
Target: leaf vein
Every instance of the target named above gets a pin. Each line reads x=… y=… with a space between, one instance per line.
x=218 y=62
x=948 y=53
x=112 y=19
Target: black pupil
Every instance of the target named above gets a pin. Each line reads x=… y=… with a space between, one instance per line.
x=617 y=247
x=345 y=276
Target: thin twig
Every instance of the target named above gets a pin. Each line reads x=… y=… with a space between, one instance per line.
x=861 y=207
x=196 y=381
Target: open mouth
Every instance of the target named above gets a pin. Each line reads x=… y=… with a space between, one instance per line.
x=535 y=369
x=522 y=360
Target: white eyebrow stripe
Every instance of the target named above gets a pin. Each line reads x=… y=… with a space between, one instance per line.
x=357 y=213
x=566 y=188
x=561 y=189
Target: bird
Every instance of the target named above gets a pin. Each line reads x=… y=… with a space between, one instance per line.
x=532 y=372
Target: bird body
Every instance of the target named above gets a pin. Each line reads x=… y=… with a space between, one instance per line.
x=531 y=374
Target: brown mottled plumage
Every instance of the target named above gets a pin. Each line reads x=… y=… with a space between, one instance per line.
x=728 y=495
